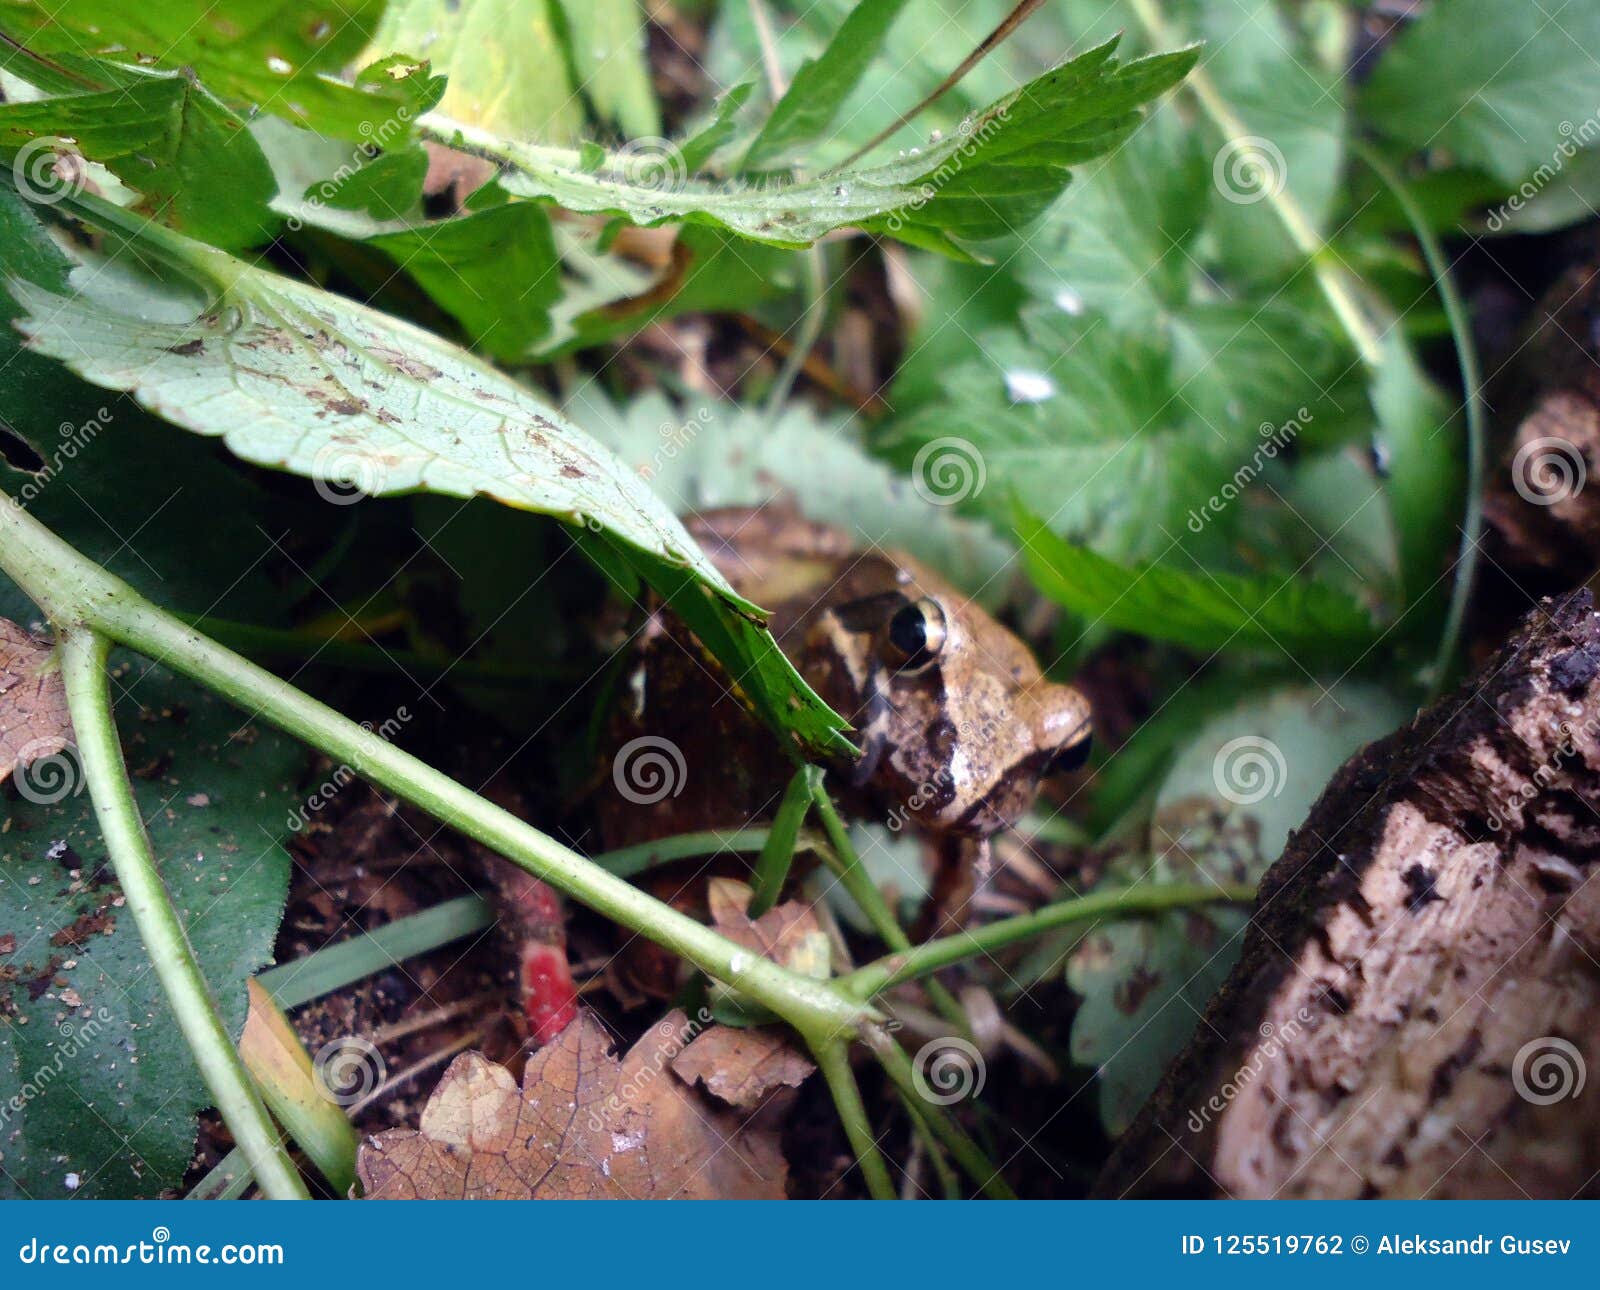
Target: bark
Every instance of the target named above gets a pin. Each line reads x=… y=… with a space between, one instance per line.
x=1414 y=1010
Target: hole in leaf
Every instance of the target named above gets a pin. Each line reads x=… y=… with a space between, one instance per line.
x=18 y=452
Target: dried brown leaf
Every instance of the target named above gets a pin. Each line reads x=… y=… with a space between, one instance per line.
x=33 y=700
x=583 y=1126
x=742 y=1066
x=788 y=933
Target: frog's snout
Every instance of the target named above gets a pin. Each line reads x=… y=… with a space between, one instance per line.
x=1066 y=727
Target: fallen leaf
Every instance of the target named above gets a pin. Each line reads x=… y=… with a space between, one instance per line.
x=788 y=933
x=33 y=700
x=583 y=1126
x=740 y=1067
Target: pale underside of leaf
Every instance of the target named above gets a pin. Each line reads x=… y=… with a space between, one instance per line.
x=298 y=379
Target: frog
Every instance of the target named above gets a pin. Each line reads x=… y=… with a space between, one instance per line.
x=953 y=721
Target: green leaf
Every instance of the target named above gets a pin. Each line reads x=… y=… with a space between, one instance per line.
x=278 y=56
x=1499 y=85
x=295 y=378
x=821 y=86
x=104 y=1087
x=702 y=456
x=501 y=59
x=714 y=131
x=608 y=54
x=1080 y=423
x=163 y=134
x=1420 y=439
x=1201 y=611
x=991 y=177
x=496 y=271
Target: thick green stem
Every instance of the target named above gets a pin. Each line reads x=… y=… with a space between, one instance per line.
x=833 y=1059
x=75 y=593
x=83 y=659
x=907 y=965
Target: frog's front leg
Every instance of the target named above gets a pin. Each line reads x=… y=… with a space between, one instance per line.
x=963 y=868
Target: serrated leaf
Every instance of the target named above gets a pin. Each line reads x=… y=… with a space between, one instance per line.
x=281 y=56
x=609 y=57
x=296 y=378
x=100 y=1087
x=1199 y=610
x=702 y=456
x=1500 y=85
x=993 y=176
x=821 y=86
x=194 y=161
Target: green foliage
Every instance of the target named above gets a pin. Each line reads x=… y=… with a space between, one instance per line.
x=1502 y=86
x=1201 y=611
x=302 y=380
x=993 y=176
x=822 y=84
x=161 y=133
x=606 y=38
x=278 y=56
x=108 y=1089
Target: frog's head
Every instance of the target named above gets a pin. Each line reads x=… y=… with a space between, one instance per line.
x=955 y=721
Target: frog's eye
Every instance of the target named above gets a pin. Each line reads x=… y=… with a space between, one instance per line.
x=1073 y=757
x=916 y=634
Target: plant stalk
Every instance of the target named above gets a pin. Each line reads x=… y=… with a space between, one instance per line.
x=75 y=593
x=907 y=965
x=83 y=666
x=1331 y=277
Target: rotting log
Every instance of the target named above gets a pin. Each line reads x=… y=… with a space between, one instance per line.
x=1416 y=1011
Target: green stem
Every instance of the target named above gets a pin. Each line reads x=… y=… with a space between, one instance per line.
x=777 y=856
x=808 y=333
x=859 y=886
x=75 y=593
x=336 y=966
x=1477 y=434
x=967 y=1153
x=833 y=1060
x=1331 y=276
x=83 y=668
x=630 y=861
x=874 y=978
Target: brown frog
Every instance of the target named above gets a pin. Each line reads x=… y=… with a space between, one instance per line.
x=955 y=722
